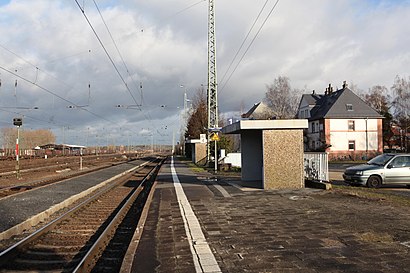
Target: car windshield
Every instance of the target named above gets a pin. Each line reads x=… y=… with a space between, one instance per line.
x=380 y=160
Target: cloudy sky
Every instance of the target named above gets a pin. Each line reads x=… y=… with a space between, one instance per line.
x=155 y=50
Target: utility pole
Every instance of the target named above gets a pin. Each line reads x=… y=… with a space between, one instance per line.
x=212 y=82
x=184 y=120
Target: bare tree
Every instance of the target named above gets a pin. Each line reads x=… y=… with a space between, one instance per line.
x=9 y=136
x=401 y=101
x=401 y=105
x=379 y=99
x=281 y=99
x=358 y=91
x=28 y=138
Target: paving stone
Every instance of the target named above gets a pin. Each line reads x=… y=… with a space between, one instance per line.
x=267 y=231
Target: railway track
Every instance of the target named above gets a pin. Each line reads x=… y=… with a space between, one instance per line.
x=77 y=240
x=15 y=188
x=7 y=167
x=32 y=184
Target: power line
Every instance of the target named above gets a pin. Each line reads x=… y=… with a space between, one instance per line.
x=249 y=46
x=187 y=8
x=30 y=117
x=147 y=116
x=58 y=96
x=39 y=69
x=105 y=50
x=243 y=42
x=176 y=13
x=53 y=93
x=115 y=44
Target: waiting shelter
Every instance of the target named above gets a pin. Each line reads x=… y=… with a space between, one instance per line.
x=271 y=152
x=197 y=148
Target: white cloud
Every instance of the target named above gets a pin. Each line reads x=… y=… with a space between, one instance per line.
x=164 y=45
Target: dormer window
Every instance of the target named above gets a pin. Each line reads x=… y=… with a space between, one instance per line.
x=349 y=107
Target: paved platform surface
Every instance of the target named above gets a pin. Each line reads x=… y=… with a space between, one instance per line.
x=248 y=230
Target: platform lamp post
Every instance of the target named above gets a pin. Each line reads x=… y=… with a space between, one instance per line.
x=18 y=122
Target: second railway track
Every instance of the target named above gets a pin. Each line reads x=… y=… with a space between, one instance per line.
x=54 y=173
x=76 y=240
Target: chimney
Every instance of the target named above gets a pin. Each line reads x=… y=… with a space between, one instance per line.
x=330 y=89
x=313 y=92
x=344 y=85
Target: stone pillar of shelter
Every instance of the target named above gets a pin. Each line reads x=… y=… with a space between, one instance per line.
x=283 y=159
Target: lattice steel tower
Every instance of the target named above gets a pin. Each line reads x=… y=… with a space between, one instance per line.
x=212 y=83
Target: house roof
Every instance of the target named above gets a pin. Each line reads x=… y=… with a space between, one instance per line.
x=60 y=146
x=311 y=99
x=342 y=103
x=250 y=112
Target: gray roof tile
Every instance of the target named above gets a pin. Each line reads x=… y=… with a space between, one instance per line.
x=334 y=105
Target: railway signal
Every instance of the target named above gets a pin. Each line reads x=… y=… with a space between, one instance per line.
x=17 y=122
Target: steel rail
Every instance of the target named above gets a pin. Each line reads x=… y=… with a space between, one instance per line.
x=70 y=160
x=12 y=251
x=85 y=265
x=51 y=180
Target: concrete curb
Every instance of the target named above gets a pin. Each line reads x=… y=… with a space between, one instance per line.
x=318 y=185
x=36 y=219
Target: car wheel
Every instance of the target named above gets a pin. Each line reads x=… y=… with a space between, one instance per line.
x=374 y=182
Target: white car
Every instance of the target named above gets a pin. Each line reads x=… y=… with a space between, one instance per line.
x=383 y=169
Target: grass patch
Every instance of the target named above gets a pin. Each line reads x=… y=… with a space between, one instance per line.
x=348 y=162
x=372 y=194
x=372 y=237
x=195 y=168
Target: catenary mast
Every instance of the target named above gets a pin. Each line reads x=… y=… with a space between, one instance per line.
x=212 y=82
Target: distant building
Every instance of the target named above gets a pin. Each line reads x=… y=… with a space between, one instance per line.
x=258 y=111
x=196 y=149
x=342 y=124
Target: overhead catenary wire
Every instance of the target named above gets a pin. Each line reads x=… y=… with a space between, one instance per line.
x=115 y=44
x=250 y=44
x=54 y=94
x=39 y=69
x=160 y=23
x=243 y=42
x=106 y=52
x=30 y=117
x=147 y=115
x=36 y=81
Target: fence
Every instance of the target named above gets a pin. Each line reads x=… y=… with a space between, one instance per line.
x=316 y=166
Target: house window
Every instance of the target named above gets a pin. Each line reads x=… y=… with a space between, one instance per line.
x=350 y=125
x=349 y=107
x=352 y=145
x=313 y=127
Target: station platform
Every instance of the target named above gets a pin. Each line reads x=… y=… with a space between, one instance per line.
x=197 y=223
